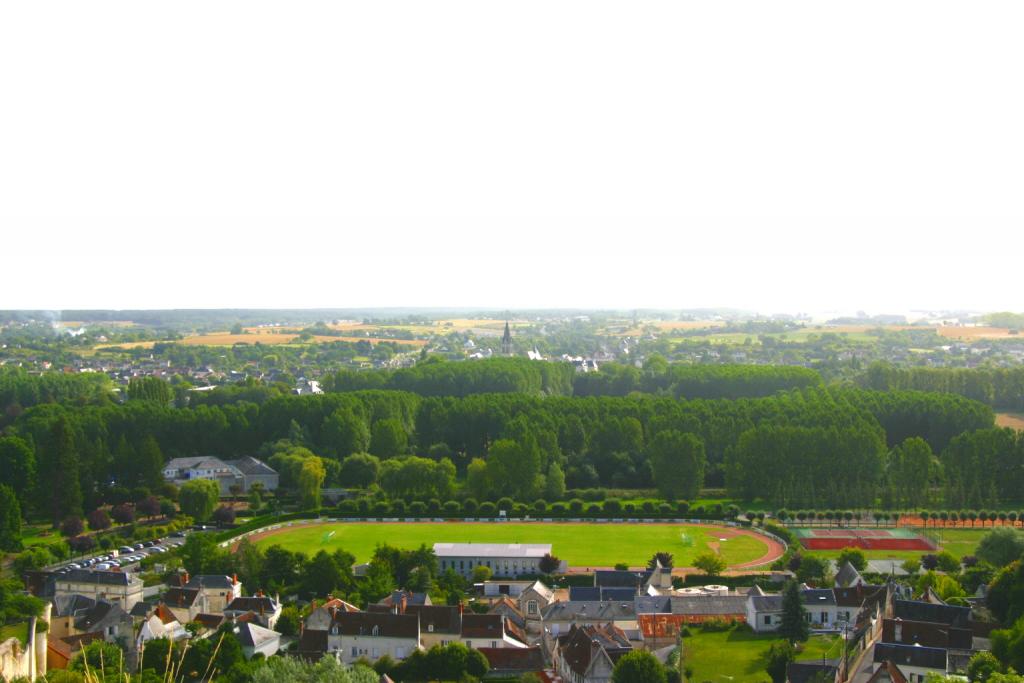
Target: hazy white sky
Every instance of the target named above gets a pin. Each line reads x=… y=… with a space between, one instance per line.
x=780 y=156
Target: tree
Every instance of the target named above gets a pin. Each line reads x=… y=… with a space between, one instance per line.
x=794 y=626
x=149 y=463
x=311 y=480
x=554 y=483
x=639 y=666
x=359 y=470
x=665 y=559
x=812 y=568
x=780 y=654
x=10 y=520
x=72 y=526
x=224 y=515
x=344 y=433
x=1001 y=546
x=60 y=489
x=1008 y=645
x=854 y=556
x=98 y=520
x=149 y=506
x=677 y=462
x=150 y=389
x=123 y=513
x=710 y=563
x=18 y=468
x=481 y=574
x=549 y=564
x=198 y=498
x=981 y=667
x=947 y=562
x=515 y=467
x=388 y=438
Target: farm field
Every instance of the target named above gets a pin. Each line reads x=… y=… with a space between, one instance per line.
x=1011 y=420
x=973 y=333
x=579 y=544
x=738 y=655
x=267 y=338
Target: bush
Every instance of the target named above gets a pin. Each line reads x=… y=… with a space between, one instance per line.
x=123 y=513
x=717 y=625
x=665 y=509
x=434 y=506
x=682 y=507
x=470 y=506
x=594 y=509
x=364 y=505
x=519 y=510
x=99 y=520
x=72 y=526
x=451 y=508
x=347 y=507
x=488 y=509
x=558 y=508
x=224 y=515
x=505 y=503
x=398 y=507
x=629 y=508
x=417 y=508
x=82 y=544
x=647 y=506
x=381 y=508
x=612 y=506
x=576 y=505
x=540 y=505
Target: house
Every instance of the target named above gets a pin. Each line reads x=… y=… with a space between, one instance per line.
x=826 y=671
x=105 y=618
x=764 y=612
x=913 y=662
x=513 y=662
x=66 y=609
x=439 y=624
x=661 y=619
x=255 y=471
x=490 y=630
x=372 y=635
x=498 y=589
x=510 y=610
x=257 y=640
x=216 y=591
x=162 y=623
x=321 y=616
x=403 y=598
x=848 y=576
x=183 y=603
x=113 y=586
x=656 y=581
x=912 y=610
x=587 y=654
x=503 y=559
x=60 y=651
x=239 y=474
x=926 y=634
x=534 y=599
x=560 y=617
x=265 y=610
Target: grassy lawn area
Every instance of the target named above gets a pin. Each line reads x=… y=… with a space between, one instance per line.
x=738 y=656
x=581 y=545
x=34 y=535
x=19 y=631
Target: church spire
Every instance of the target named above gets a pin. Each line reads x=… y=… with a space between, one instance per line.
x=506 y=341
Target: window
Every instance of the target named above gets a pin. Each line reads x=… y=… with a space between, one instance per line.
x=376 y=630
x=376 y=653
x=494 y=643
x=355 y=653
x=430 y=628
x=531 y=607
x=767 y=620
x=898 y=635
x=824 y=617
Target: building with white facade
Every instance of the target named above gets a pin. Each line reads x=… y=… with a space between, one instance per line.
x=503 y=559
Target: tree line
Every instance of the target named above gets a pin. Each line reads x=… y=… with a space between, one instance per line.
x=1001 y=388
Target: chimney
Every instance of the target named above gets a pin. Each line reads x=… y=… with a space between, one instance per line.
x=234 y=579
x=460 y=609
x=186 y=577
x=404 y=602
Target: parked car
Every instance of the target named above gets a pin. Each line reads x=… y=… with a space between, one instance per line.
x=126 y=549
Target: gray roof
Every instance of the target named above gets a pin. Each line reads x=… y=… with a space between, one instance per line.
x=589 y=610
x=580 y=593
x=99 y=616
x=208 y=461
x=254 y=635
x=911 y=655
x=818 y=596
x=210 y=581
x=492 y=549
x=616 y=578
x=98 y=576
x=250 y=466
x=811 y=672
x=692 y=604
x=70 y=604
x=767 y=603
x=914 y=610
x=847 y=575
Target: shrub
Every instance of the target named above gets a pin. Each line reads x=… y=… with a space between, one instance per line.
x=540 y=505
x=558 y=508
x=398 y=507
x=81 y=544
x=99 y=520
x=698 y=512
x=123 y=513
x=505 y=503
x=519 y=510
x=629 y=508
x=612 y=506
x=417 y=508
x=364 y=505
x=647 y=506
x=716 y=624
x=72 y=526
x=488 y=509
x=451 y=508
x=381 y=508
x=224 y=515
x=682 y=507
x=665 y=509
x=434 y=506
x=594 y=509
x=347 y=507
x=470 y=506
x=576 y=505
x=106 y=542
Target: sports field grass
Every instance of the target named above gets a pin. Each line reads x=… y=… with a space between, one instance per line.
x=581 y=545
x=738 y=655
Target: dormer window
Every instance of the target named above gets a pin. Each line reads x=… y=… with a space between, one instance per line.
x=376 y=631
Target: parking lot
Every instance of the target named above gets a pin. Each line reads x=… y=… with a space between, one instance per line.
x=126 y=557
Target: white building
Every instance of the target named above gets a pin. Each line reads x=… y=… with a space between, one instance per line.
x=503 y=559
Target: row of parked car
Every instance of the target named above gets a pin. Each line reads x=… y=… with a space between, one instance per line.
x=126 y=555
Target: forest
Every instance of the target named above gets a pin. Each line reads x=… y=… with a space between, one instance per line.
x=809 y=447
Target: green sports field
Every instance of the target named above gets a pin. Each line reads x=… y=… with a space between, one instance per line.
x=581 y=545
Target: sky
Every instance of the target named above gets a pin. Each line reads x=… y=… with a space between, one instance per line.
x=779 y=157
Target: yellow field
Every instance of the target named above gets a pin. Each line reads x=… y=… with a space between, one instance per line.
x=974 y=333
x=265 y=337
x=1011 y=420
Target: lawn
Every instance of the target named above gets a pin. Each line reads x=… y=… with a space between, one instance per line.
x=581 y=545
x=738 y=655
x=18 y=630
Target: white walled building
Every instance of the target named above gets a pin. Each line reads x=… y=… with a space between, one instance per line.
x=503 y=559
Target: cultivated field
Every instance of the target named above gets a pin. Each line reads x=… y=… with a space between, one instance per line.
x=582 y=545
x=264 y=337
x=1011 y=420
x=975 y=333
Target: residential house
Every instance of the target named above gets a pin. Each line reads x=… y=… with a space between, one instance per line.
x=257 y=640
x=439 y=624
x=560 y=617
x=121 y=587
x=510 y=610
x=237 y=475
x=498 y=589
x=661 y=619
x=503 y=559
x=533 y=600
x=587 y=654
x=490 y=630
x=162 y=623
x=321 y=616
x=404 y=598
x=255 y=471
x=372 y=635
x=848 y=576
x=265 y=610
x=764 y=612
x=513 y=662
x=66 y=609
x=217 y=591
x=913 y=662
x=184 y=603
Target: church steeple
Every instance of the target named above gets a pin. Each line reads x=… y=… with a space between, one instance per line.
x=506 y=341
